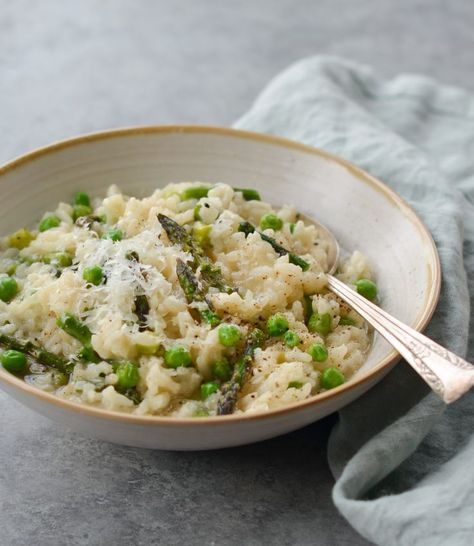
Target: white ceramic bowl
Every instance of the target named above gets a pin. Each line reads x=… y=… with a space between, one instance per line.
x=361 y=211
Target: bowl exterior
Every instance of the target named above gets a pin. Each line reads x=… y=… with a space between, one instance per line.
x=362 y=212
x=195 y=435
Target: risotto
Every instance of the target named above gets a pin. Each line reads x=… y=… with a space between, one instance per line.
x=198 y=300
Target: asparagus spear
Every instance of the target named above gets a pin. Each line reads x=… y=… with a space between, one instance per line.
x=212 y=276
x=249 y=194
x=133 y=395
x=179 y=236
x=75 y=328
x=38 y=353
x=87 y=221
x=194 y=293
x=132 y=256
x=231 y=389
x=195 y=192
x=247 y=228
x=142 y=309
x=210 y=273
x=141 y=304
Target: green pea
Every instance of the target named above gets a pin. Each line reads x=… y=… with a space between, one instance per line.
x=318 y=352
x=177 y=356
x=61 y=259
x=93 y=275
x=346 y=321
x=8 y=288
x=209 y=388
x=229 y=335
x=194 y=192
x=21 y=238
x=221 y=369
x=81 y=198
x=320 y=323
x=295 y=385
x=49 y=222
x=277 y=325
x=78 y=211
x=331 y=377
x=366 y=288
x=271 y=221
x=13 y=361
x=291 y=339
x=249 y=194
x=115 y=234
x=127 y=375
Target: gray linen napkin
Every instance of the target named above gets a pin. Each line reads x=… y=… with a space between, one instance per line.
x=403 y=462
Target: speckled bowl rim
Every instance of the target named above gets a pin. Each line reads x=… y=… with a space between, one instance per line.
x=432 y=263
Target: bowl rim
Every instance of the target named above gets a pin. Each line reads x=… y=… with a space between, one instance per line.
x=429 y=306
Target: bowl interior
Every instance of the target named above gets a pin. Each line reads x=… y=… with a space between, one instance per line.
x=361 y=212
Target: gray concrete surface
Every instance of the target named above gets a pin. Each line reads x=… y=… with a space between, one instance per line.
x=72 y=67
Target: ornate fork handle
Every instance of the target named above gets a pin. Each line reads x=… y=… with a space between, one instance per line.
x=446 y=373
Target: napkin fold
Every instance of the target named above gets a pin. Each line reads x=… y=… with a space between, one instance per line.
x=403 y=461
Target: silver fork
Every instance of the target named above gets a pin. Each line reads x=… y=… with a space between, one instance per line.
x=447 y=374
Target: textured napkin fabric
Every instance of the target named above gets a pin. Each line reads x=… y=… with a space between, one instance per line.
x=403 y=462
